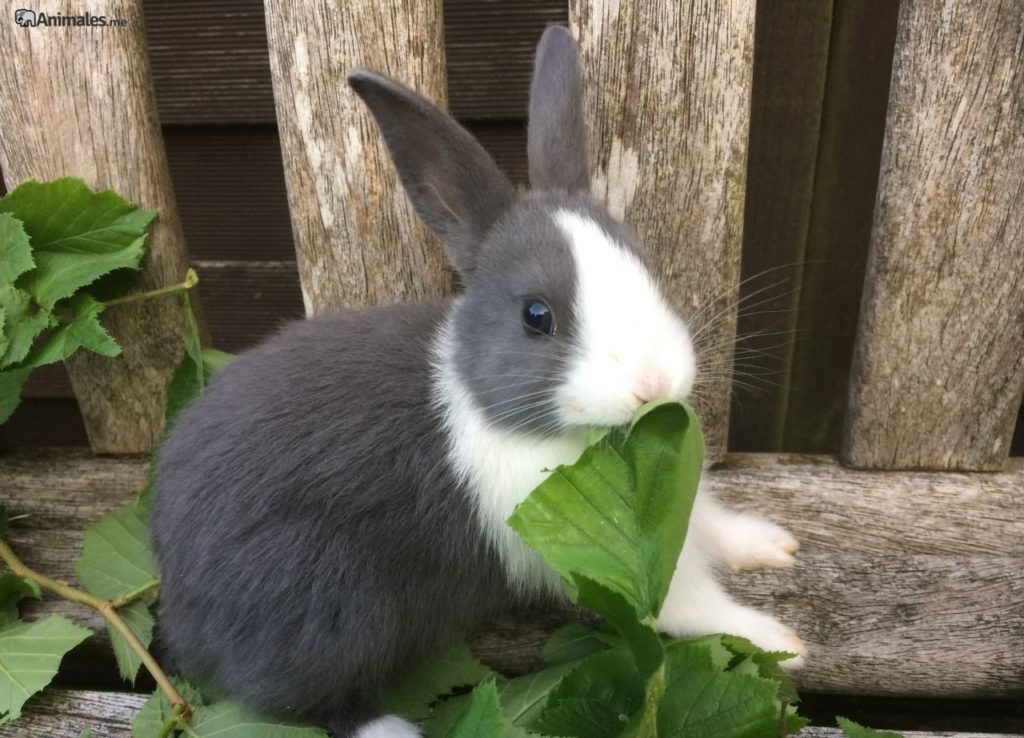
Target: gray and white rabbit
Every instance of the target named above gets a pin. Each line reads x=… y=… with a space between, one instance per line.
x=333 y=506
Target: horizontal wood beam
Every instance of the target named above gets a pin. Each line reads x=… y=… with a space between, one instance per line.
x=908 y=584
x=63 y=713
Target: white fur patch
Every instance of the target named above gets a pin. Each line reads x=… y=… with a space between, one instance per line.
x=389 y=726
x=632 y=347
x=500 y=467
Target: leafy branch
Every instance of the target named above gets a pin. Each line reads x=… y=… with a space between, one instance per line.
x=109 y=610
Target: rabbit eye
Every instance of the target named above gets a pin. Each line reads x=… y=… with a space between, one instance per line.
x=537 y=317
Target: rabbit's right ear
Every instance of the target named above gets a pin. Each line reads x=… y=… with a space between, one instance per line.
x=454 y=185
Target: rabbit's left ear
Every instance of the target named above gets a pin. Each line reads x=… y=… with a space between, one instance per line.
x=557 y=138
x=455 y=186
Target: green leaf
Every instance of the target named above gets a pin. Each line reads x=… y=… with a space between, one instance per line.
x=86 y=733
x=482 y=716
x=116 y=560
x=23 y=322
x=15 y=251
x=82 y=331
x=184 y=388
x=700 y=699
x=11 y=383
x=214 y=361
x=157 y=710
x=572 y=643
x=77 y=235
x=618 y=516
x=229 y=720
x=414 y=695
x=853 y=730
x=140 y=621
x=30 y=654
x=596 y=700
x=13 y=589
x=643 y=641
x=768 y=663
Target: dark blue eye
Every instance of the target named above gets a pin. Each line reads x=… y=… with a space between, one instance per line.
x=537 y=317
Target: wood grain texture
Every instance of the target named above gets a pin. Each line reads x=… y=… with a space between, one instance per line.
x=211 y=67
x=911 y=585
x=790 y=63
x=938 y=368
x=668 y=104
x=79 y=102
x=62 y=713
x=357 y=238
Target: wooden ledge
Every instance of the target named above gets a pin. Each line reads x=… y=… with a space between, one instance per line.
x=908 y=583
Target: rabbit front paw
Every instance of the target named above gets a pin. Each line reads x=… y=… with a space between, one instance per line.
x=750 y=542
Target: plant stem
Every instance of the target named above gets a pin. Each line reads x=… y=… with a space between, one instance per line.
x=135 y=594
x=191 y=280
x=171 y=723
x=107 y=609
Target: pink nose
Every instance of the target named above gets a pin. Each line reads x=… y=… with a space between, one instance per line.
x=652 y=385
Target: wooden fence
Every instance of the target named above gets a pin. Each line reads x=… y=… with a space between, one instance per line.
x=911 y=575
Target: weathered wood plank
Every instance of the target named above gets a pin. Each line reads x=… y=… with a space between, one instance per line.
x=80 y=102
x=61 y=713
x=907 y=584
x=357 y=238
x=211 y=67
x=668 y=104
x=938 y=369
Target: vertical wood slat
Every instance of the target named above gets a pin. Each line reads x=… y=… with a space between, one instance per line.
x=78 y=101
x=668 y=94
x=357 y=238
x=938 y=367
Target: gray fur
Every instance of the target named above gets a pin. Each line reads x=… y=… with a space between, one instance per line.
x=313 y=539
x=454 y=185
x=557 y=136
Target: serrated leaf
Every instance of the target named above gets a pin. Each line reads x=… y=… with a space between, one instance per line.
x=77 y=235
x=214 y=361
x=596 y=700
x=23 y=322
x=30 y=654
x=768 y=663
x=618 y=516
x=414 y=695
x=83 y=330
x=643 y=641
x=229 y=720
x=700 y=699
x=572 y=643
x=139 y=620
x=11 y=382
x=157 y=709
x=116 y=560
x=14 y=589
x=15 y=250
x=184 y=387
x=482 y=716
x=855 y=730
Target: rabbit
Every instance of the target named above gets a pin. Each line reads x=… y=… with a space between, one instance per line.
x=332 y=506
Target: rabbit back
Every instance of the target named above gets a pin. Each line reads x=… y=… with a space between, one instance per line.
x=312 y=537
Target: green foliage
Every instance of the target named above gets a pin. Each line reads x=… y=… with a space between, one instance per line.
x=437 y=677
x=56 y=239
x=30 y=654
x=13 y=589
x=482 y=714
x=853 y=730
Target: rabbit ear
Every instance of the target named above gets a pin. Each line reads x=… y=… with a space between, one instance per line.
x=557 y=138
x=454 y=185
